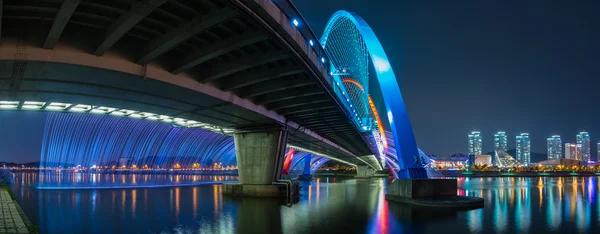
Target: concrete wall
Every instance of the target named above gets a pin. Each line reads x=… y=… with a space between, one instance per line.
x=256 y=155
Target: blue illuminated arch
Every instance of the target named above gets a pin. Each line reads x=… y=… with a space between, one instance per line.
x=402 y=132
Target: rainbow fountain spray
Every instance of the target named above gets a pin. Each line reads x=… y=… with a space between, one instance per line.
x=87 y=140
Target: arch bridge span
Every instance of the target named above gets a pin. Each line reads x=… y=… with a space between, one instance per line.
x=233 y=64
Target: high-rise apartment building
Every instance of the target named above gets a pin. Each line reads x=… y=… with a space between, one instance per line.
x=523 y=149
x=500 y=141
x=583 y=138
x=554 y=147
x=475 y=143
x=597 y=151
x=573 y=151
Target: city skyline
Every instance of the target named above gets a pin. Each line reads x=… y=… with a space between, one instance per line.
x=498 y=135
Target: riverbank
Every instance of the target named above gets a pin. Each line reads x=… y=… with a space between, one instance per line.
x=12 y=217
x=515 y=174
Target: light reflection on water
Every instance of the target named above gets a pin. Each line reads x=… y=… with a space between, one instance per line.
x=329 y=205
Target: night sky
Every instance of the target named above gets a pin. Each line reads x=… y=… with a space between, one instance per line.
x=512 y=65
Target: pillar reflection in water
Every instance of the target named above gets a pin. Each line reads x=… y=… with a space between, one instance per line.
x=258 y=215
x=380 y=221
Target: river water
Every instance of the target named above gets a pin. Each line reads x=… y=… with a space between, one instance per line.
x=139 y=204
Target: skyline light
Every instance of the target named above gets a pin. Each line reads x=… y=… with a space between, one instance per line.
x=523 y=149
x=583 y=139
x=475 y=143
x=554 y=146
x=553 y=149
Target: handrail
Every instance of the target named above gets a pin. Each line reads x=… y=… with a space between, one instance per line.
x=292 y=13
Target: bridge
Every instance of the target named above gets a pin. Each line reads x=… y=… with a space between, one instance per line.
x=252 y=69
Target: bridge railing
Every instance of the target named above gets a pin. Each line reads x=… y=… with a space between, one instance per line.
x=298 y=21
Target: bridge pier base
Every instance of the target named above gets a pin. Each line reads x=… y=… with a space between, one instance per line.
x=259 y=157
x=364 y=172
x=306 y=171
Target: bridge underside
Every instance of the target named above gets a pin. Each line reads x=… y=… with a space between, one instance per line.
x=64 y=83
x=225 y=63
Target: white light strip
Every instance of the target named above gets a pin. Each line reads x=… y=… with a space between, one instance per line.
x=320 y=154
x=31 y=107
x=33 y=103
x=98 y=111
x=67 y=107
x=54 y=108
x=77 y=109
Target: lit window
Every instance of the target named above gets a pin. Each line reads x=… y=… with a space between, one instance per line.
x=295 y=22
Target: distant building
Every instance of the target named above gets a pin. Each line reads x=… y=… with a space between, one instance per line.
x=459 y=157
x=598 y=152
x=505 y=160
x=523 y=149
x=562 y=161
x=573 y=151
x=485 y=159
x=500 y=141
x=475 y=143
x=554 y=147
x=583 y=139
x=449 y=164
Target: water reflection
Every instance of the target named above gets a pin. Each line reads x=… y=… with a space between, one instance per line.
x=88 y=180
x=328 y=205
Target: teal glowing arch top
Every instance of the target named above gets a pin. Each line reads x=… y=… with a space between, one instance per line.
x=351 y=45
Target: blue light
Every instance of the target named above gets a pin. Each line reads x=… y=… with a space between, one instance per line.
x=323 y=60
x=392 y=97
x=295 y=22
x=311 y=42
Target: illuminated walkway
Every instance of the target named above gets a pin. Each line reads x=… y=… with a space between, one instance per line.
x=10 y=220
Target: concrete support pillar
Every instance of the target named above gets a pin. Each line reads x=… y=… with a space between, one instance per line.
x=259 y=155
x=364 y=171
